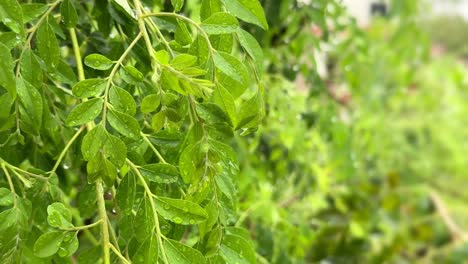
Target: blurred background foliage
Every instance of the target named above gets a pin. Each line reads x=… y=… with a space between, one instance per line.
x=363 y=161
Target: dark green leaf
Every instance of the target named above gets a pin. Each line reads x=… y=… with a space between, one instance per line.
x=32 y=11
x=31 y=102
x=147 y=253
x=47 y=45
x=224 y=99
x=69 y=245
x=160 y=173
x=92 y=142
x=98 y=62
x=85 y=112
x=122 y=100
x=236 y=249
x=69 y=15
x=145 y=224
x=126 y=193
x=30 y=67
x=115 y=150
x=124 y=124
x=251 y=46
x=179 y=253
x=7 y=78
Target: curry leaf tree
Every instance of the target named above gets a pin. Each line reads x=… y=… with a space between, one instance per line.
x=116 y=120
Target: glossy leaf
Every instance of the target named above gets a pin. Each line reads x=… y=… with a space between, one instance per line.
x=98 y=62
x=124 y=124
x=85 y=112
x=236 y=249
x=59 y=216
x=160 y=173
x=69 y=244
x=147 y=253
x=122 y=100
x=6 y=197
x=47 y=45
x=11 y=15
x=31 y=102
x=92 y=142
x=220 y=23
x=150 y=103
x=89 y=88
x=180 y=211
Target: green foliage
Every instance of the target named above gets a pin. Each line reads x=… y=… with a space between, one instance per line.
x=112 y=118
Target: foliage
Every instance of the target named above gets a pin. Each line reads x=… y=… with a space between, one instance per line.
x=115 y=122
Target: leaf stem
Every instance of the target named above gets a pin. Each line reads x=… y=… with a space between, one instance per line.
x=103 y=215
x=117 y=252
x=64 y=151
x=114 y=71
x=145 y=138
x=153 y=207
x=10 y=182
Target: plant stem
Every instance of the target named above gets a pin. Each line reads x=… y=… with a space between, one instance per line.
x=117 y=252
x=103 y=215
x=78 y=228
x=153 y=207
x=64 y=151
x=145 y=138
x=76 y=51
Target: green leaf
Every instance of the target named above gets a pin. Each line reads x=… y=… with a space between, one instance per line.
x=124 y=124
x=182 y=34
x=47 y=45
x=89 y=88
x=209 y=7
x=59 y=216
x=122 y=100
x=30 y=67
x=11 y=15
x=126 y=193
x=180 y=211
x=32 y=11
x=250 y=11
x=179 y=253
x=7 y=77
x=224 y=99
x=147 y=253
x=183 y=61
x=48 y=244
x=69 y=244
x=232 y=73
x=250 y=112
x=251 y=46
x=6 y=197
x=150 y=103
x=220 y=23
x=160 y=173
x=145 y=224
x=69 y=15
x=123 y=4
x=115 y=150
x=177 y=4
x=188 y=162
x=84 y=112
x=236 y=249
x=98 y=62
x=131 y=74
x=158 y=120
x=212 y=113
x=92 y=142
x=101 y=168
x=31 y=104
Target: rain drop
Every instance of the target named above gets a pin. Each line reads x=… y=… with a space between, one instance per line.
x=178 y=220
